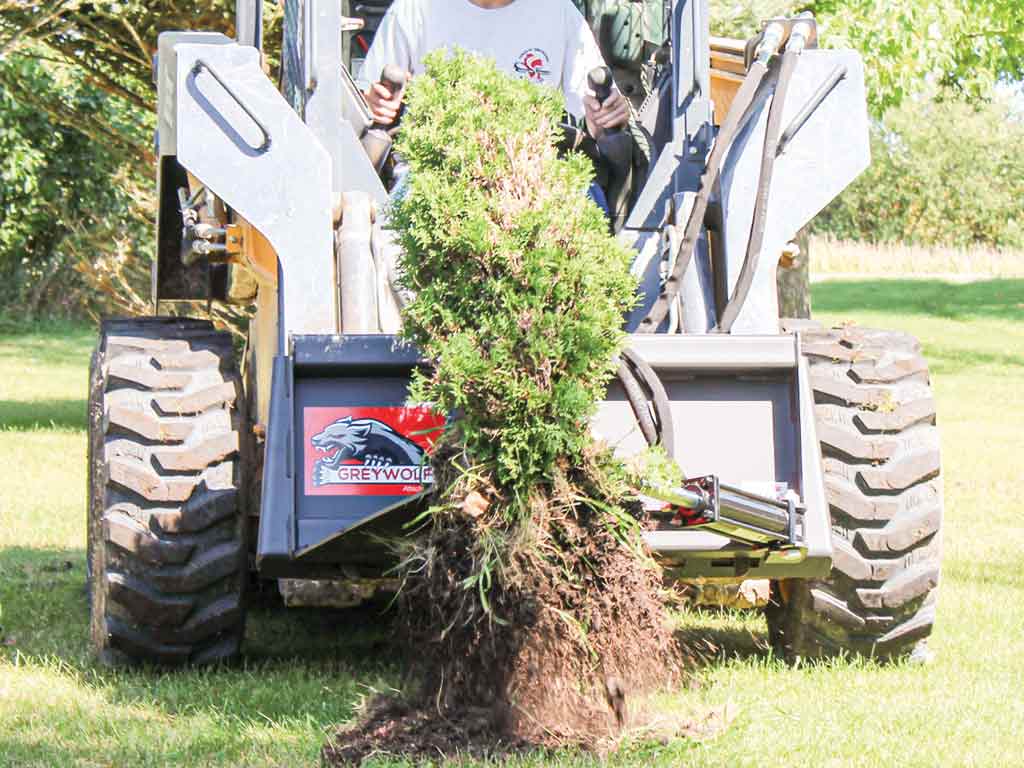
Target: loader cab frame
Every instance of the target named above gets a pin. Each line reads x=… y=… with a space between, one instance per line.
x=257 y=174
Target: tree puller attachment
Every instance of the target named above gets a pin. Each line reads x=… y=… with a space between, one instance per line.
x=300 y=465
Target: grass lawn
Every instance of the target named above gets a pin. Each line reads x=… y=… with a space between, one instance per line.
x=306 y=671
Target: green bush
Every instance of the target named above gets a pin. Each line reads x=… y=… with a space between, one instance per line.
x=528 y=574
x=58 y=191
x=520 y=289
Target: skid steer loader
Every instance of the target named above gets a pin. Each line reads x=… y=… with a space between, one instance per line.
x=813 y=453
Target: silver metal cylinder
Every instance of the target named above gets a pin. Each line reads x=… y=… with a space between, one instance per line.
x=745 y=508
x=357 y=273
x=386 y=252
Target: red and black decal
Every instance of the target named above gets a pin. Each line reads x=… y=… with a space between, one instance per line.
x=533 y=65
x=368 y=451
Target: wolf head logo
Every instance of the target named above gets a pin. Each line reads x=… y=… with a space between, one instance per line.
x=368 y=440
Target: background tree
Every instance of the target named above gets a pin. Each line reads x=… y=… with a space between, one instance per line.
x=942 y=173
x=71 y=69
x=55 y=181
x=909 y=46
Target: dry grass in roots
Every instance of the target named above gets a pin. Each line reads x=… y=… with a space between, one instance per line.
x=539 y=635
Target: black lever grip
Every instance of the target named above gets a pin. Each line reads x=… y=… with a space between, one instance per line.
x=601 y=82
x=393 y=78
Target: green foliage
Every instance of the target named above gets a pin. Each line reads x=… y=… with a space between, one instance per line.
x=912 y=45
x=743 y=18
x=944 y=173
x=966 y=46
x=520 y=289
x=653 y=468
x=55 y=184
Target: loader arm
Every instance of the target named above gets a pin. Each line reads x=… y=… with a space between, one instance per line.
x=235 y=133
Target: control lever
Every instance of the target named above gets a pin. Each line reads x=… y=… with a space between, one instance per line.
x=615 y=145
x=393 y=78
x=377 y=139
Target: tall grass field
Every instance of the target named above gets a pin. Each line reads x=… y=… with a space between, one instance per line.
x=831 y=258
x=306 y=671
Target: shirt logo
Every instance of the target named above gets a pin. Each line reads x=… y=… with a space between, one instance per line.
x=533 y=65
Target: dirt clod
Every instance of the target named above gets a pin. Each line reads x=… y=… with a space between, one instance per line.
x=395 y=728
x=569 y=636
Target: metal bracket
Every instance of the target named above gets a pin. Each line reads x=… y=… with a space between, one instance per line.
x=201 y=65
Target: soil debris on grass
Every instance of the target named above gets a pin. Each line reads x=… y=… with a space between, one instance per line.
x=397 y=729
x=394 y=728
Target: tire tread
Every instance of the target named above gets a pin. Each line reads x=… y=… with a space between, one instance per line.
x=880 y=447
x=166 y=533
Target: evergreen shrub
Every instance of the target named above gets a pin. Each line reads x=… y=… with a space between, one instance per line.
x=519 y=288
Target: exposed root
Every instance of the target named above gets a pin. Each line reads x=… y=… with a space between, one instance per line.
x=539 y=634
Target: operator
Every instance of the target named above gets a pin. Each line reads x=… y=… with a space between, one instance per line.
x=547 y=42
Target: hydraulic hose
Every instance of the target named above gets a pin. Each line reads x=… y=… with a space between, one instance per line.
x=755 y=243
x=659 y=398
x=735 y=121
x=638 y=403
x=637 y=375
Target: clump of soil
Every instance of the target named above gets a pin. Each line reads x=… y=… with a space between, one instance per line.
x=395 y=727
x=549 y=650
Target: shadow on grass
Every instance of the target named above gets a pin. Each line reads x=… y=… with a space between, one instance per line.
x=298 y=666
x=998 y=299
x=67 y=413
x=705 y=642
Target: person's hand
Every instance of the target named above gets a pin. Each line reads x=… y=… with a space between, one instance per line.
x=383 y=103
x=614 y=113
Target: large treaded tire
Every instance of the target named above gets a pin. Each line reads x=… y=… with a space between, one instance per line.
x=880 y=448
x=167 y=561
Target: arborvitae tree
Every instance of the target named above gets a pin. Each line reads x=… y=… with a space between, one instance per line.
x=530 y=588
x=520 y=290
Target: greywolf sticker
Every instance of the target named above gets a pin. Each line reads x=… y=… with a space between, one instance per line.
x=368 y=451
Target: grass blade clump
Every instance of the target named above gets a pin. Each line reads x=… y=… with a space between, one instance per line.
x=529 y=597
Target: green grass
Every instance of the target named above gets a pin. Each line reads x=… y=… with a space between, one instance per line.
x=306 y=671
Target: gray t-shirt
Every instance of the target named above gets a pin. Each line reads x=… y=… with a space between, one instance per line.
x=545 y=41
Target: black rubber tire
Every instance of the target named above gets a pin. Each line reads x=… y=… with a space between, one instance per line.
x=167 y=563
x=880 y=450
